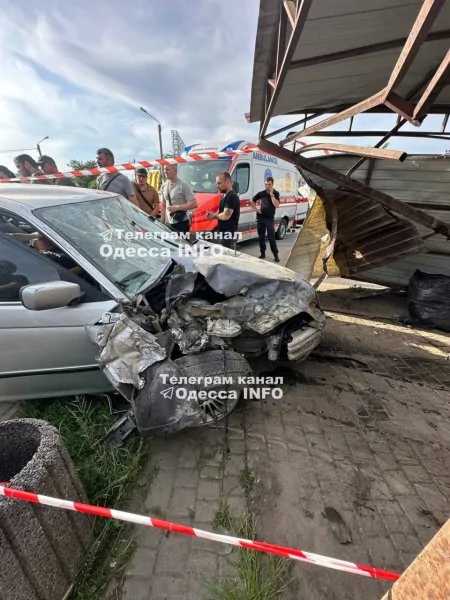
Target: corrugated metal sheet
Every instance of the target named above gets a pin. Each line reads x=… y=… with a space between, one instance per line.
x=423 y=181
x=341 y=26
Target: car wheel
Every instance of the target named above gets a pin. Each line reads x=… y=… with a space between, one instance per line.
x=172 y=397
x=219 y=364
x=282 y=229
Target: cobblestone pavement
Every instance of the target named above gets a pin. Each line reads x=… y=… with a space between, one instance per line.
x=352 y=463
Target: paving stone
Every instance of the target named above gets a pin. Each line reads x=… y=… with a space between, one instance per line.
x=188 y=458
x=170 y=586
x=416 y=473
x=137 y=589
x=183 y=500
x=209 y=489
x=398 y=483
x=206 y=510
x=236 y=447
x=210 y=473
x=161 y=490
x=142 y=563
x=231 y=486
x=187 y=477
x=173 y=555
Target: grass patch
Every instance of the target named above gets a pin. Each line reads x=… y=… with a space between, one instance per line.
x=106 y=474
x=223 y=518
x=258 y=576
x=247 y=479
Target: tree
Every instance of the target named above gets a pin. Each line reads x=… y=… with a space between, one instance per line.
x=79 y=165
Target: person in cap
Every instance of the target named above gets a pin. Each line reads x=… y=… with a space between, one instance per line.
x=49 y=167
x=28 y=167
x=147 y=196
x=113 y=182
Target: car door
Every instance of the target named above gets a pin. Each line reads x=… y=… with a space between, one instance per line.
x=45 y=353
x=241 y=175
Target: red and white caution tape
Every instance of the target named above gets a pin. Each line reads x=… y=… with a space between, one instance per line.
x=176 y=160
x=309 y=557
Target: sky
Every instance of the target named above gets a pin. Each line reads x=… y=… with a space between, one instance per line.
x=78 y=72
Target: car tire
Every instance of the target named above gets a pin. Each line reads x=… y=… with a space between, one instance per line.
x=280 y=233
x=162 y=406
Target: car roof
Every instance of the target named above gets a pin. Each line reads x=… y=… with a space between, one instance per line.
x=38 y=196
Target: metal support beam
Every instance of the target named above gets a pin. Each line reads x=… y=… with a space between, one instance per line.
x=291 y=11
x=444 y=123
x=370 y=168
x=286 y=127
x=362 y=134
x=440 y=79
x=300 y=20
x=383 y=140
x=365 y=151
x=362 y=50
x=375 y=100
x=419 y=32
x=281 y=43
x=401 y=106
x=324 y=172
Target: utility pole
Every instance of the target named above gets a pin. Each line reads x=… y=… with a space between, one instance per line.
x=38 y=146
x=159 y=136
x=159 y=130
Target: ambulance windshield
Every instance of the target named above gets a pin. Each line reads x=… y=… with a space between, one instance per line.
x=201 y=175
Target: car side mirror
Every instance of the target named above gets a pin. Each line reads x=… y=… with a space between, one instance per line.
x=51 y=294
x=236 y=187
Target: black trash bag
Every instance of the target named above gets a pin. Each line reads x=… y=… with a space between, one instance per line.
x=429 y=299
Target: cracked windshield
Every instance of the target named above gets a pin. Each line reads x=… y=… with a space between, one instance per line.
x=121 y=240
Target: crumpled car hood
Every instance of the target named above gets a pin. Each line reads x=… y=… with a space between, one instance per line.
x=262 y=295
x=259 y=296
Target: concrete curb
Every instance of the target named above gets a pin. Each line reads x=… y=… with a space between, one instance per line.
x=40 y=547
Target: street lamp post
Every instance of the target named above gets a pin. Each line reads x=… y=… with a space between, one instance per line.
x=159 y=130
x=38 y=146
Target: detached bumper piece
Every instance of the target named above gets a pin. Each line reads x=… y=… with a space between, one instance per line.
x=303 y=342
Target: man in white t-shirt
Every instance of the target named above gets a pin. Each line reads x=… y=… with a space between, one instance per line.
x=177 y=198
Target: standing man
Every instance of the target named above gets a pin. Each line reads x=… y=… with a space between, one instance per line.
x=229 y=211
x=147 y=195
x=28 y=167
x=269 y=201
x=49 y=167
x=113 y=182
x=177 y=198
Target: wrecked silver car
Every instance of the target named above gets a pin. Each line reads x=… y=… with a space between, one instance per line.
x=115 y=302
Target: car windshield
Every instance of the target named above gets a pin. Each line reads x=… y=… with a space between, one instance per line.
x=117 y=237
x=201 y=175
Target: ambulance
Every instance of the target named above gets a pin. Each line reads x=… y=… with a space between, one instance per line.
x=248 y=172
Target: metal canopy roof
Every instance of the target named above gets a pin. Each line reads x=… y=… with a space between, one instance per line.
x=322 y=56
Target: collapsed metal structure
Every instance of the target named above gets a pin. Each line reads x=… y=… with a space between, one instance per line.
x=315 y=58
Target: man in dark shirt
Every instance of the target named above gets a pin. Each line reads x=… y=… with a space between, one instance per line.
x=28 y=167
x=269 y=201
x=229 y=211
